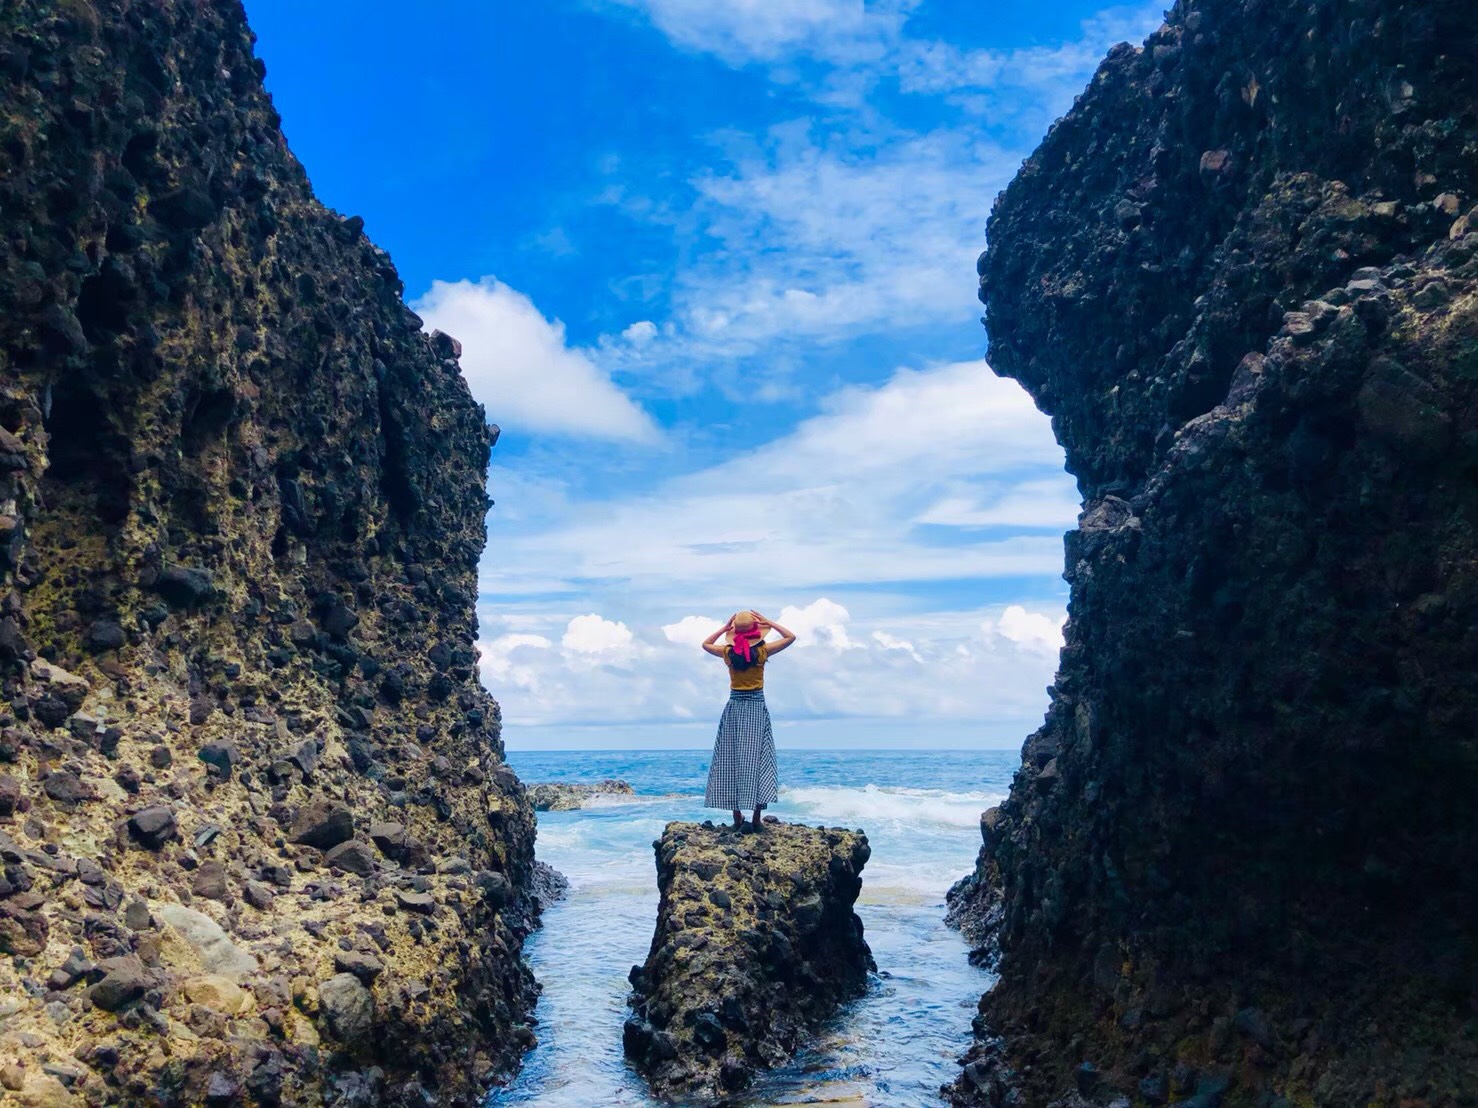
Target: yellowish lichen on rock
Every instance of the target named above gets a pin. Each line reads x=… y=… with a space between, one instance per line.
x=257 y=839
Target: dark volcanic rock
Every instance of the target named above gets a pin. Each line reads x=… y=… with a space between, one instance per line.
x=153 y=827
x=220 y=421
x=563 y=797
x=324 y=824
x=353 y=856
x=348 y=1010
x=1242 y=276
x=755 y=944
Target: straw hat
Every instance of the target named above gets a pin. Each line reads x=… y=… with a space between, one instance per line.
x=742 y=619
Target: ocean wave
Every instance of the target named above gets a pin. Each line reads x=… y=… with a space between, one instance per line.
x=622 y=800
x=858 y=806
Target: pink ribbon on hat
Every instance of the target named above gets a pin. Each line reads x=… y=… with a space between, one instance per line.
x=746 y=641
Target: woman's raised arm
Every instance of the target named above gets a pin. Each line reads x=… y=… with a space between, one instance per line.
x=709 y=643
x=786 y=637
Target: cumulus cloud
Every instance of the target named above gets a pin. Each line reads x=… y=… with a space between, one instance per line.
x=822 y=622
x=1030 y=630
x=519 y=365
x=914 y=669
x=590 y=634
x=640 y=333
x=690 y=630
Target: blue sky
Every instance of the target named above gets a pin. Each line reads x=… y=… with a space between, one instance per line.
x=712 y=266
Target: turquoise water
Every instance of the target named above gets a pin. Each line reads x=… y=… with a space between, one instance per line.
x=893 y=1048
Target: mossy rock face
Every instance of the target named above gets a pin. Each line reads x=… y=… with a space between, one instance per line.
x=241 y=507
x=755 y=944
x=1239 y=864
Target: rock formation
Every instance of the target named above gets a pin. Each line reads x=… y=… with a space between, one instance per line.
x=1239 y=862
x=258 y=842
x=755 y=943
x=563 y=797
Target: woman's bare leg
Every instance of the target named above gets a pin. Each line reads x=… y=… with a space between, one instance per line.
x=738 y=818
x=758 y=808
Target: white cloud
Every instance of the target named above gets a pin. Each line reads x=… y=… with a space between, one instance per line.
x=845 y=222
x=830 y=503
x=520 y=367
x=911 y=669
x=812 y=243
x=822 y=622
x=691 y=630
x=891 y=642
x=1030 y=630
x=1046 y=503
x=741 y=31
x=640 y=333
x=590 y=634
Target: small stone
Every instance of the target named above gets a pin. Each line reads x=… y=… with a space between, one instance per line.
x=10 y=795
x=366 y=967
x=219 y=994
x=494 y=888
x=105 y=635
x=258 y=895
x=65 y=789
x=74 y=969
x=324 y=824
x=221 y=1089
x=389 y=837
x=125 y=981
x=153 y=827
x=352 y=857
x=305 y=757
x=223 y=755
x=210 y=881
x=423 y=903
x=347 y=1009
x=136 y=916
x=161 y=758
x=1216 y=163
x=214 y=948
x=184 y=586
x=68 y=687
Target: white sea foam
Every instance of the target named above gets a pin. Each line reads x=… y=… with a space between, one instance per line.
x=621 y=800
x=871 y=803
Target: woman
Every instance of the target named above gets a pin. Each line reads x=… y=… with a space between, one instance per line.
x=742 y=773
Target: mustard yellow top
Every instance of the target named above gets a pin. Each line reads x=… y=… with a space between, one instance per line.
x=752 y=678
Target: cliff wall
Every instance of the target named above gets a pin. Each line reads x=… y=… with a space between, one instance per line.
x=1240 y=859
x=259 y=843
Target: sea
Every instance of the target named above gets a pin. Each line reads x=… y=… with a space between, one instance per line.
x=892 y=1048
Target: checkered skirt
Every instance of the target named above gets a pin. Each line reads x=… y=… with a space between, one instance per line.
x=742 y=773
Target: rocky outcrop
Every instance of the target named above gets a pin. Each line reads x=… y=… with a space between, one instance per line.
x=258 y=841
x=561 y=797
x=1240 y=862
x=756 y=942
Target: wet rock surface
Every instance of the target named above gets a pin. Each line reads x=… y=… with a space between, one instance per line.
x=756 y=942
x=563 y=797
x=1240 y=862
x=257 y=841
